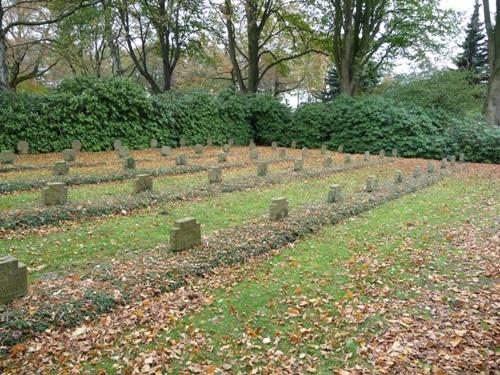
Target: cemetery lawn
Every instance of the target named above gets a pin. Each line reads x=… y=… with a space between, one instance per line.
x=407 y=288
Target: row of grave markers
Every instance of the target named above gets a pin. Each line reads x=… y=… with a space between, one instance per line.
x=185 y=233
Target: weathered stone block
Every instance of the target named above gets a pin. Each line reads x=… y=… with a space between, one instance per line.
x=165 y=151
x=298 y=165
x=461 y=157
x=254 y=155
x=278 y=209
x=143 y=182
x=262 y=168
x=274 y=146
x=123 y=152
x=347 y=159
x=304 y=152
x=185 y=234
x=128 y=162
x=252 y=145
x=23 y=147
x=366 y=156
x=13 y=279
x=452 y=159
x=334 y=194
x=7 y=157
x=181 y=159
x=117 y=144
x=214 y=175
x=230 y=142
x=293 y=146
x=328 y=162
x=154 y=143
x=282 y=153
x=417 y=172
x=324 y=149
x=371 y=184
x=76 y=145
x=382 y=153
x=226 y=148
x=430 y=167
x=210 y=142
x=222 y=157
x=198 y=149
x=61 y=168
x=55 y=193
x=398 y=177
x=69 y=154
x=394 y=152
x=341 y=149
x=182 y=142
x=444 y=163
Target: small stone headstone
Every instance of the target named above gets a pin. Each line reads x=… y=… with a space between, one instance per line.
x=222 y=157
x=123 y=152
x=128 y=163
x=182 y=142
x=69 y=154
x=347 y=159
x=181 y=159
x=382 y=153
x=341 y=149
x=13 y=279
x=328 y=162
x=154 y=143
x=461 y=157
x=165 y=151
x=262 y=168
x=293 y=146
x=7 y=157
x=185 y=234
x=230 y=142
x=143 y=182
x=334 y=194
x=417 y=171
x=209 y=142
x=278 y=209
x=23 y=147
x=430 y=167
x=254 y=155
x=226 y=148
x=366 y=157
x=61 y=168
x=282 y=153
x=298 y=165
x=55 y=193
x=252 y=145
x=274 y=146
x=371 y=184
x=444 y=163
x=394 y=152
x=214 y=175
x=76 y=145
x=323 y=149
x=117 y=144
x=304 y=152
x=398 y=177
x=198 y=149
x=452 y=159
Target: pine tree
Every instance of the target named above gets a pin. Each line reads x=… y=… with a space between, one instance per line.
x=475 y=51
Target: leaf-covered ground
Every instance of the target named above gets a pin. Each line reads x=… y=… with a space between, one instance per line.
x=410 y=287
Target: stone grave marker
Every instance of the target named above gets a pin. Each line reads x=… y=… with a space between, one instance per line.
x=334 y=194
x=394 y=152
x=282 y=153
x=430 y=167
x=222 y=157
x=293 y=146
x=226 y=148
x=274 y=146
x=143 y=182
x=117 y=144
x=278 y=209
x=214 y=175
x=382 y=154
x=252 y=145
x=165 y=151
x=182 y=142
x=324 y=149
x=461 y=157
x=371 y=184
x=452 y=159
x=13 y=279
x=398 y=177
x=341 y=149
x=76 y=145
x=254 y=155
x=366 y=157
x=347 y=159
x=69 y=154
x=185 y=234
x=181 y=159
x=444 y=163
x=55 y=193
x=128 y=163
x=123 y=152
x=154 y=143
x=61 y=168
x=210 y=142
x=230 y=142
x=328 y=162
x=23 y=147
x=198 y=149
x=298 y=165
x=304 y=152
x=417 y=171
x=262 y=168
x=7 y=157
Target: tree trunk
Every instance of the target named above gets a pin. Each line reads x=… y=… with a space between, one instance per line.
x=4 y=70
x=492 y=105
x=114 y=50
x=253 y=58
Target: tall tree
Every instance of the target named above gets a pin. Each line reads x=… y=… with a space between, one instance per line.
x=475 y=51
x=378 y=30
x=492 y=104
x=26 y=16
